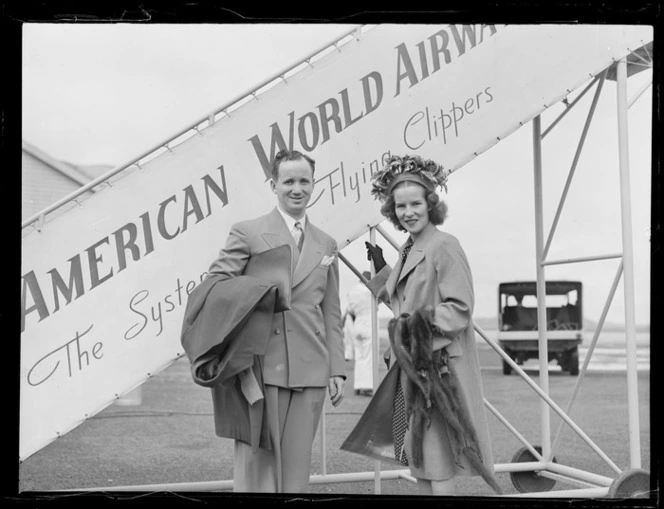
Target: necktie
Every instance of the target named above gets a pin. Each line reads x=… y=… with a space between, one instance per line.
x=298 y=234
x=405 y=252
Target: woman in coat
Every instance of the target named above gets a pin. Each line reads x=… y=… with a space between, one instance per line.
x=432 y=275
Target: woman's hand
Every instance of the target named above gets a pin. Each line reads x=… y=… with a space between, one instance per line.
x=375 y=254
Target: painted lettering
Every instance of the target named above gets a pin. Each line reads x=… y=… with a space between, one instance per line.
x=103 y=265
x=465 y=39
x=137 y=299
x=403 y=58
x=319 y=125
x=76 y=356
x=436 y=50
x=161 y=219
x=75 y=282
x=327 y=116
x=371 y=103
x=147 y=233
x=191 y=206
x=94 y=259
x=220 y=191
x=122 y=245
x=306 y=143
x=31 y=288
x=277 y=143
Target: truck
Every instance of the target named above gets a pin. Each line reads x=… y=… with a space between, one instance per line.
x=518 y=324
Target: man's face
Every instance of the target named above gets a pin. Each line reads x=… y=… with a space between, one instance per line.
x=294 y=187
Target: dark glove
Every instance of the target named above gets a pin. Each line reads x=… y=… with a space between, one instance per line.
x=375 y=253
x=387 y=357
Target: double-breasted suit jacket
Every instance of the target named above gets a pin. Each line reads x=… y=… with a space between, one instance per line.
x=436 y=273
x=305 y=347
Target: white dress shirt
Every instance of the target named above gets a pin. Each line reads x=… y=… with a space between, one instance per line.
x=290 y=222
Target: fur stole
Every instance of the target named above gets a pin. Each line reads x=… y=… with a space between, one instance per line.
x=432 y=386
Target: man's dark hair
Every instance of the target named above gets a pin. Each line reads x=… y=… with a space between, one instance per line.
x=290 y=155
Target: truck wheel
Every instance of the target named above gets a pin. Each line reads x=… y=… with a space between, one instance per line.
x=507 y=369
x=572 y=364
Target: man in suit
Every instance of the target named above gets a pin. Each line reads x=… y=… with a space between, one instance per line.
x=305 y=349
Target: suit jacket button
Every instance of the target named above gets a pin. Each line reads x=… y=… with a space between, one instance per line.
x=316 y=306
x=317 y=332
x=277 y=331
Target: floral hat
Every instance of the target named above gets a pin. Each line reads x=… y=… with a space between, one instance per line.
x=412 y=168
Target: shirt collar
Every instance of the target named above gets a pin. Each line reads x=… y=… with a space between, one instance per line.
x=290 y=222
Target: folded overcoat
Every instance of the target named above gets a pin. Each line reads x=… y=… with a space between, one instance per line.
x=227 y=321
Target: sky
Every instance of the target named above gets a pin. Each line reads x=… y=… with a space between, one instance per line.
x=103 y=94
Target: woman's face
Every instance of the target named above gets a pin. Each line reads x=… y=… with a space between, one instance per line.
x=411 y=208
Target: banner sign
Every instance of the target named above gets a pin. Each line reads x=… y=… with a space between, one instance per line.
x=104 y=285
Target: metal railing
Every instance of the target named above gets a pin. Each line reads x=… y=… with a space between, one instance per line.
x=210 y=118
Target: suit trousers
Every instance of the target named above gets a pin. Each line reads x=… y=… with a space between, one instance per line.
x=292 y=417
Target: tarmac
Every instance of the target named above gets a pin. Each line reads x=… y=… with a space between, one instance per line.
x=167 y=438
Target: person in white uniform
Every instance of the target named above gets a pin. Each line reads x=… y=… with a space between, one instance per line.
x=348 y=336
x=359 y=309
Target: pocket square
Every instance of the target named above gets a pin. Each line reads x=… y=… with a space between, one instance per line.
x=327 y=260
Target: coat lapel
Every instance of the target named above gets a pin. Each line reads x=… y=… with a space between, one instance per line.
x=415 y=257
x=277 y=234
x=313 y=250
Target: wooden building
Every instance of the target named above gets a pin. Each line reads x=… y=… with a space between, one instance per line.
x=45 y=179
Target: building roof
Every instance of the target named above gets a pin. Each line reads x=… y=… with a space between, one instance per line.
x=81 y=174
x=92 y=171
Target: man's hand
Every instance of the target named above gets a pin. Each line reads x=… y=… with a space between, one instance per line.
x=336 y=388
x=375 y=253
x=208 y=370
